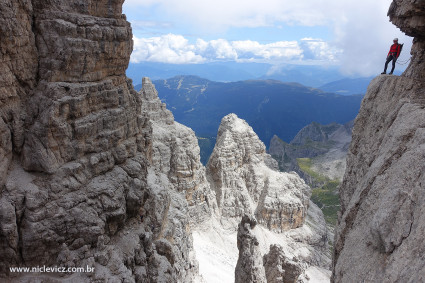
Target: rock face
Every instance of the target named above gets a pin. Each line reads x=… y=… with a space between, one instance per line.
x=314 y=132
x=280 y=268
x=380 y=231
x=249 y=268
x=244 y=184
x=175 y=156
x=409 y=17
x=82 y=178
x=19 y=65
x=288 y=259
x=82 y=52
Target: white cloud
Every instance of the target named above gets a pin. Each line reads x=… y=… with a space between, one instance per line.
x=176 y=49
x=140 y=3
x=286 y=50
x=361 y=31
x=216 y=49
x=222 y=14
x=168 y=48
x=320 y=50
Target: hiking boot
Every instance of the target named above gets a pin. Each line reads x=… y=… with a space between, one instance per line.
x=390 y=73
x=383 y=73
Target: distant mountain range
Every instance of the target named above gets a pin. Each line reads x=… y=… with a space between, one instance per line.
x=271 y=107
x=347 y=86
x=218 y=71
x=313 y=76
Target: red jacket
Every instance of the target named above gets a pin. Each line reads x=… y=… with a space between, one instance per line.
x=395 y=50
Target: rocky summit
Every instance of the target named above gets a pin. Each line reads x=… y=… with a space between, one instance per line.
x=245 y=184
x=379 y=237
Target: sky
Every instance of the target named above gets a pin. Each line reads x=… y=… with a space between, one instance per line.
x=354 y=35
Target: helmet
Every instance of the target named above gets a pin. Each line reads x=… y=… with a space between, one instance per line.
x=395 y=39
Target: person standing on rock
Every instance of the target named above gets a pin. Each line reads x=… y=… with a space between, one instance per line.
x=393 y=54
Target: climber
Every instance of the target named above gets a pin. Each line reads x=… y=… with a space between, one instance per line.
x=393 y=54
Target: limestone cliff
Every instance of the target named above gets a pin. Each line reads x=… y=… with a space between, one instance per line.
x=379 y=237
x=176 y=157
x=244 y=184
x=297 y=255
x=81 y=178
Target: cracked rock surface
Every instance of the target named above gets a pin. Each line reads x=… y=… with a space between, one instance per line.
x=239 y=173
x=280 y=267
x=81 y=178
x=379 y=237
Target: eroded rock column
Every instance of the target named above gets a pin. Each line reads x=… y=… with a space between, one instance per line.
x=249 y=268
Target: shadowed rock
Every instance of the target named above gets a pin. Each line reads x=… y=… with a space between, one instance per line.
x=249 y=268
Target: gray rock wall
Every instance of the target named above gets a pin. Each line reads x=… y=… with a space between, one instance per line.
x=19 y=65
x=176 y=157
x=379 y=237
x=81 y=100
x=80 y=180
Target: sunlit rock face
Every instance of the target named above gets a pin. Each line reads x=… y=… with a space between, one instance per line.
x=176 y=155
x=244 y=184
